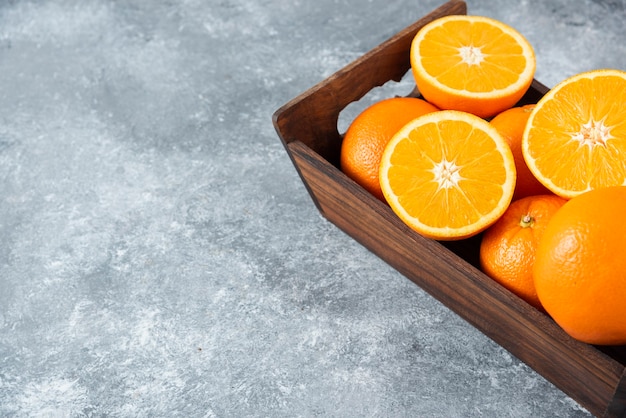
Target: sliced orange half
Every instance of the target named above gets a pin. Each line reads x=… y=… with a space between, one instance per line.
x=575 y=137
x=448 y=175
x=472 y=63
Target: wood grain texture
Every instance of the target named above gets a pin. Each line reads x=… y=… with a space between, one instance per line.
x=307 y=126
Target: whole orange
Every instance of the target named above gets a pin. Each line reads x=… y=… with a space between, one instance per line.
x=511 y=124
x=368 y=134
x=580 y=267
x=508 y=247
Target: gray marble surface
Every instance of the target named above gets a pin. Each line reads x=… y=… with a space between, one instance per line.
x=159 y=256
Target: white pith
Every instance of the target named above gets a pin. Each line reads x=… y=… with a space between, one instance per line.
x=471 y=55
x=592 y=133
x=446 y=174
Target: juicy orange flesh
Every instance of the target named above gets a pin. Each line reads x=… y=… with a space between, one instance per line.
x=480 y=180
x=501 y=57
x=572 y=165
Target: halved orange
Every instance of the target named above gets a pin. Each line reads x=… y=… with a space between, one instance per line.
x=448 y=174
x=472 y=63
x=575 y=137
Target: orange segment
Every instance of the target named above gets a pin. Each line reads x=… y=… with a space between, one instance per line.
x=472 y=63
x=448 y=175
x=575 y=138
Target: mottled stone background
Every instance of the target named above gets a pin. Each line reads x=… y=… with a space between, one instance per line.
x=159 y=256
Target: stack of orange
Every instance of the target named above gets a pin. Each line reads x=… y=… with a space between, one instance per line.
x=543 y=181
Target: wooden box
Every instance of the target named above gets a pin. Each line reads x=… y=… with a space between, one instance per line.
x=307 y=125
